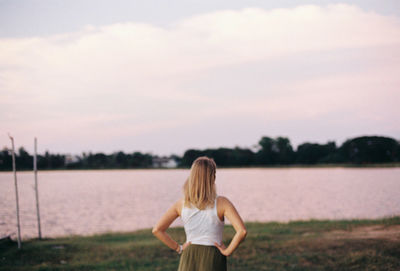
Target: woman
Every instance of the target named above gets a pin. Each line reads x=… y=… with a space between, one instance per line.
x=202 y=213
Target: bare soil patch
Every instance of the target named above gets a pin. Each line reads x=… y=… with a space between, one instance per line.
x=389 y=232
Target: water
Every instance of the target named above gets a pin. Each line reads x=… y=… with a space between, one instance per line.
x=97 y=201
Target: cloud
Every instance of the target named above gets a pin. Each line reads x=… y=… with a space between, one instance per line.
x=135 y=79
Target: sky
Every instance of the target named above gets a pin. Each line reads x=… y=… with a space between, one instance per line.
x=162 y=77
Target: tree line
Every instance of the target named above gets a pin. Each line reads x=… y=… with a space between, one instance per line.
x=269 y=152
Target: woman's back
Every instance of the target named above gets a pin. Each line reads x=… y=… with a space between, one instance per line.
x=203 y=249
x=202 y=227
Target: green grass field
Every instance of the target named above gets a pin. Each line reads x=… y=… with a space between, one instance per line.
x=299 y=245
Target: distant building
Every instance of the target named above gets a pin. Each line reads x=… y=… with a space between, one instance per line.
x=70 y=159
x=164 y=162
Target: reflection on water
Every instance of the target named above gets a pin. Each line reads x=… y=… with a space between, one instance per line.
x=96 y=201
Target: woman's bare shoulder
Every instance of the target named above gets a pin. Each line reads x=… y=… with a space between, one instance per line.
x=222 y=198
x=224 y=201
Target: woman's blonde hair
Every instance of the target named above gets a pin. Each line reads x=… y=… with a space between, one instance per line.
x=199 y=188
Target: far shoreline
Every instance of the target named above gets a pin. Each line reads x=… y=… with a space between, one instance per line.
x=358 y=166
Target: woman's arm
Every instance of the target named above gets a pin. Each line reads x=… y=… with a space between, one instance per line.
x=231 y=213
x=163 y=224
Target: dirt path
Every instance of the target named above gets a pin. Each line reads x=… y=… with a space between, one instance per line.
x=391 y=232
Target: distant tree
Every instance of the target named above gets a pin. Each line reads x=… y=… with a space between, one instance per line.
x=139 y=160
x=370 y=149
x=5 y=159
x=243 y=157
x=43 y=161
x=267 y=155
x=275 y=151
x=189 y=156
x=269 y=151
x=398 y=151
x=312 y=153
x=121 y=160
x=332 y=154
x=222 y=156
x=23 y=159
x=285 y=154
x=57 y=161
x=98 y=160
x=51 y=161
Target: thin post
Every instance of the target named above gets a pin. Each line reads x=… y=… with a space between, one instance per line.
x=36 y=189
x=16 y=190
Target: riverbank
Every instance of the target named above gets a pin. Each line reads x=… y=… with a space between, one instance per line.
x=372 y=165
x=298 y=245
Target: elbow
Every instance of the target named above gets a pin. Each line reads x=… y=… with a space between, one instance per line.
x=242 y=234
x=155 y=231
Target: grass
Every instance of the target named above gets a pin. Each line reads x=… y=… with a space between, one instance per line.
x=298 y=245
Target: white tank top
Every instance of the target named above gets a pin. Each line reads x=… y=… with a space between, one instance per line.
x=202 y=227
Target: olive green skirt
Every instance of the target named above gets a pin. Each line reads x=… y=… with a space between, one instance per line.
x=202 y=258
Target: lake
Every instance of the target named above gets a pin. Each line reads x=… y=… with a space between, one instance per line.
x=96 y=201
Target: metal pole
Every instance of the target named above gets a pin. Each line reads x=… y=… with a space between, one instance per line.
x=36 y=189
x=16 y=190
